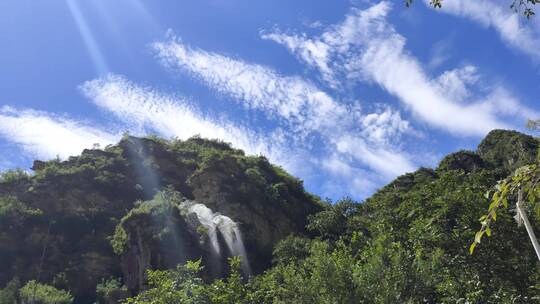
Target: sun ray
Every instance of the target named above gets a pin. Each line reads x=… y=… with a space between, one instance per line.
x=89 y=40
x=144 y=12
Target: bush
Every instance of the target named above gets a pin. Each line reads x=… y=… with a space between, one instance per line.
x=8 y=295
x=13 y=176
x=34 y=292
x=110 y=291
x=182 y=285
x=12 y=208
x=292 y=248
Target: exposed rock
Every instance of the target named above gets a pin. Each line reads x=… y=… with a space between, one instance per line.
x=508 y=149
x=83 y=199
x=38 y=165
x=467 y=161
x=406 y=181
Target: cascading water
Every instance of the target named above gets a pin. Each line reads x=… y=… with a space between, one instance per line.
x=233 y=238
x=206 y=218
x=229 y=230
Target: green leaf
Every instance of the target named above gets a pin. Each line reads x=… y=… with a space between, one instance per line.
x=471 y=249
x=478 y=236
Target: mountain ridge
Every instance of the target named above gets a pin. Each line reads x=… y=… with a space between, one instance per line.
x=129 y=208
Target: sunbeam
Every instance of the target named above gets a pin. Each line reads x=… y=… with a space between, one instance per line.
x=88 y=38
x=143 y=11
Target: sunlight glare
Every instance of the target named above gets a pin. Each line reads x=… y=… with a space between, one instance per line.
x=88 y=38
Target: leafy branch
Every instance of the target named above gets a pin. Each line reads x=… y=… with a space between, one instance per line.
x=526 y=7
x=526 y=180
x=434 y=3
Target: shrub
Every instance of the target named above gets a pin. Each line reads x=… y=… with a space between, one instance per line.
x=110 y=291
x=8 y=295
x=34 y=292
x=12 y=208
x=13 y=176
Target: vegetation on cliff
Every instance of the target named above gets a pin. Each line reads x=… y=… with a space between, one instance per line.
x=60 y=221
x=408 y=243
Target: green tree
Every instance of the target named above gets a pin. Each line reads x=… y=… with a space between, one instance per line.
x=8 y=295
x=37 y=293
x=110 y=291
x=177 y=286
x=523 y=184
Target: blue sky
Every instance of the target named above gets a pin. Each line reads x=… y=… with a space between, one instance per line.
x=346 y=95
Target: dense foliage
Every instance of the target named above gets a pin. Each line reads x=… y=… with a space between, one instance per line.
x=33 y=293
x=401 y=246
x=68 y=223
x=408 y=243
x=522 y=187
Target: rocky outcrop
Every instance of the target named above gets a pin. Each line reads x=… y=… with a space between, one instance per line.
x=467 y=161
x=81 y=201
x=508 y=149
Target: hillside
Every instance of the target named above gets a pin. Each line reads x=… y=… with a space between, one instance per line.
x=149 y=204
x=58 y=224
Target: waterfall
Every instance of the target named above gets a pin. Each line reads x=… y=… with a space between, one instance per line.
x=206 y=218
x=233 y=238
x=229 y=230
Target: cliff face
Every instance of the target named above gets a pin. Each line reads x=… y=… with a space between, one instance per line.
x=59 y=222
x=146 y=203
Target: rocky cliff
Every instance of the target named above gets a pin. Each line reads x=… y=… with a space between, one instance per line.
x=147 y=203
x=57 y=225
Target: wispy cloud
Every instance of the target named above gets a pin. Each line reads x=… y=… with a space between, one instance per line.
x=518 y=33
x=339 y=171
x=299 y=104
x=145 y=110
x=314 y=52
x=291 y=99
x=366 y=47
x=440 y=52
x=46 y=135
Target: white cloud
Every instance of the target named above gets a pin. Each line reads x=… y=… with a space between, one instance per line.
x=358 y=182
x=46 y=135
x=440 y=53
x=456 y=82
x=144 y=109
x=385 y=161
x=313 y=52
x=365 y=47
x=517 y=32
x=301 y=106
x=385 y=127
x=292 y=99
